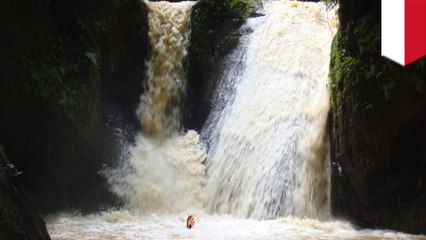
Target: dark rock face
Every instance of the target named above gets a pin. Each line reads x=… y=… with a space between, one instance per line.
x=62 y=158
x=214 y=33
x=378 y=132
x=17 y=219
x=125 y=48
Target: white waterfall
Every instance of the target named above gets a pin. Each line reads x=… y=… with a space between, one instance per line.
x=268 y=146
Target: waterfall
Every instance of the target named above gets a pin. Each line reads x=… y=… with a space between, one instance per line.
x=159 y=109
x=268 y=147
x=164 y=173
x=268 y=143
x=266 y=136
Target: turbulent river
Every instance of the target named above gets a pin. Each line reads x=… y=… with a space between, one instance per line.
x=124 y=225
x=259 y=169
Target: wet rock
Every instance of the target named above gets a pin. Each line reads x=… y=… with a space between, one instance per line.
x=256 y=9
x=18 y=220
x=62 y=155
x=377 y=131
x=214 y=33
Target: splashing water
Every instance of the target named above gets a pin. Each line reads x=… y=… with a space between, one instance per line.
x=166 y=177
x=165 y=173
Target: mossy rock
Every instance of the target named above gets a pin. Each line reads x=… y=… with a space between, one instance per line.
x=377 y=130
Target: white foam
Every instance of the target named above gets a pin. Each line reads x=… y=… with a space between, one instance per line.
x=268 y=155
x=129 y=226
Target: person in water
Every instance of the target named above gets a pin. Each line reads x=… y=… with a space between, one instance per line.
x=190 y=221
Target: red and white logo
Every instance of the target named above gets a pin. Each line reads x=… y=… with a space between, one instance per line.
x=404 y=30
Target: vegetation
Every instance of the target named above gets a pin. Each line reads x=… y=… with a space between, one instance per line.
x=50 y=58
x=54 y=77
x=377 y=126
x=214 y=25
x=242 y=8
x=359 y=75
x=214 y=32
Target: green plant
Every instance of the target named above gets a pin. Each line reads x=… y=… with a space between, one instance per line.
x=241 y=8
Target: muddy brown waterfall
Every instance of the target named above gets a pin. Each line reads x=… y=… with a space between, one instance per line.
x=164 y=172
x=159 y=109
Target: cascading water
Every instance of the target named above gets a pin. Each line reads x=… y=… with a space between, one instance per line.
x=267 y=154
x=269 y=148
x=165 y=173
x=159 y=109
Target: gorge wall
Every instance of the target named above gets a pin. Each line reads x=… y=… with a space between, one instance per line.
x=378 y=128
x=71 y=78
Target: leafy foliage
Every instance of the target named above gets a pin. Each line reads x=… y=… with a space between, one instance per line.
x=55 y=77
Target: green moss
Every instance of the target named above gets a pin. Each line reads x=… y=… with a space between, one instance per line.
x=360 y=76
x=53 y=74
x=241 y=8
x=343 y=74
x=53 y=60
x=214 y=27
